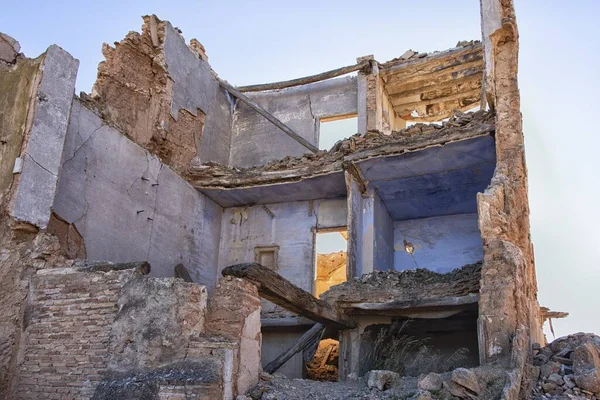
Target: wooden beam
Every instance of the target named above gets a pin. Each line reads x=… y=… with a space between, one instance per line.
x=395 y=83
x=304 y=340
x=400 y=107
x=286 y=129
x=182 y=273
x=303 y=81
x=280 y=291
x=428 y=86
x=432 y=62
x=414 y=304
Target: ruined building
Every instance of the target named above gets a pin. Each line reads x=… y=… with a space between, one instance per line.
x=158 y=235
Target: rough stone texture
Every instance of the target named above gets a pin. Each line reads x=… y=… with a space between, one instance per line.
x=586 y=367
x=331 y=270
x=45 y=139
x=324 y=364
x=291 y=168
x=128 y=206
x=568 y=366
x=234 y=313
x=415 y=285
x=431 y=382
x=22 y=252
x=156 y=319
x=382 y=380
x=509 y=320
x=17 y=89
x=467 y=379
x=67 y=324
x=71 y=242
x=161 y=94
x=9 y=49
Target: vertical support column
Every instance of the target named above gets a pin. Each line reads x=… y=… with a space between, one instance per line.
x=355 y=227
x=508 y=308
x=370 y=98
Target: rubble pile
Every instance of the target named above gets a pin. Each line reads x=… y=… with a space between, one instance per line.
x=407 y=285
x=411 y=55
x=568 y=368
x=459 y=126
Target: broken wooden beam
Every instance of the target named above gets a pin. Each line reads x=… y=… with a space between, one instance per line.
x=307 y=79
x=280 y=291
x=286 y=129
x=304 y=341
x=181 y=272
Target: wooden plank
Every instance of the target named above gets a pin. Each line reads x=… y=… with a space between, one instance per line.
x=400 y=107
x=286 y=129
x=428 y=86
x=414 y=303
x=280 y=291
x=433 y=62
x=182 y=273
x=303 y=81
x=300 y=344
x=395 y=83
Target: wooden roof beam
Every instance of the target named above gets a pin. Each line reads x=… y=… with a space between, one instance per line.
x=282 y=292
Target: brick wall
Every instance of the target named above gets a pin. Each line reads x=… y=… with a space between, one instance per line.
x=67 y=326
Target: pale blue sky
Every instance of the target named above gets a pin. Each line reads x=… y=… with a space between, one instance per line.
x=262 y=41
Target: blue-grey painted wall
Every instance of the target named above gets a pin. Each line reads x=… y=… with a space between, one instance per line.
x=128 y=206
x=195 y=86
x=256 y=141
x=441 y=243
x=383 y=246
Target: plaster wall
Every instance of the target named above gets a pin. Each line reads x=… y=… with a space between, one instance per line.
x=289 y=228
x=256 y=141
x=332 y=213
x=128 y=206
x=355 y=228
x=40 y=155
x=195 y=86
x=441 y=244
x=383 y=236
x=275 y=342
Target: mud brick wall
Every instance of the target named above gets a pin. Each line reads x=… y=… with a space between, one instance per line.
x=67 y=325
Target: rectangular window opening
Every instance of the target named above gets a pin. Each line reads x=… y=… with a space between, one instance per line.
x=334 y=129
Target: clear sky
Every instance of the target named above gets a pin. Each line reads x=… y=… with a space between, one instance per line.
x=263 y=41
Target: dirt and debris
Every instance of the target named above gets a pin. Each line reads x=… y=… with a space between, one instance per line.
x=324 y=365
x=411 y=55
x=568 y=368
x=417 y=284
x=415 y=137
x=475 y=383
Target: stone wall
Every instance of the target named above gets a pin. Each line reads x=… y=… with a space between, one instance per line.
x=163 y=95
x=509 y=321
x=68 y=320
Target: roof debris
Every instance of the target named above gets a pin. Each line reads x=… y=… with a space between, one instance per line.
x=415 y=137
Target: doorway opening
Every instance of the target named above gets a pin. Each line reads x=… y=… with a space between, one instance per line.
x=330 y=261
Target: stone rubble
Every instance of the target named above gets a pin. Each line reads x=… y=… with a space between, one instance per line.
x=568 y=368
x=414 y=136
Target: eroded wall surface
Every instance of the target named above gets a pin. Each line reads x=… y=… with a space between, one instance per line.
x=128 y=206
x=256 y=141
x=163 y=95
x=441 y=244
